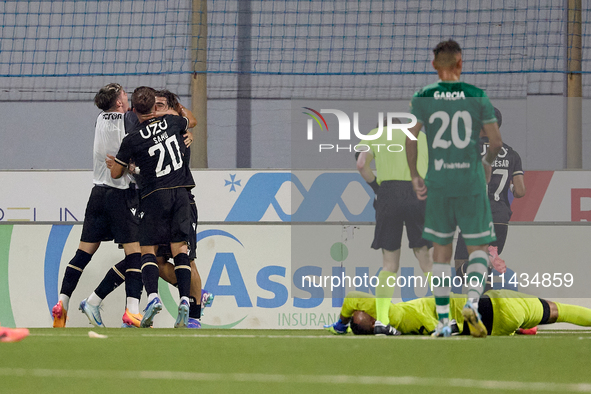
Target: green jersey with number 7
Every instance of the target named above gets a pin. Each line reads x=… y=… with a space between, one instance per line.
x=453 y=114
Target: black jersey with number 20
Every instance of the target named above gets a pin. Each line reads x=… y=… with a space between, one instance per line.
x=158 y=149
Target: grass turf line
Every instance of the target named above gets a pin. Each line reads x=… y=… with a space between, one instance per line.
x=287 y=355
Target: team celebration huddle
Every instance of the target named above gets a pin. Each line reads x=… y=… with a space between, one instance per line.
x=141 y=200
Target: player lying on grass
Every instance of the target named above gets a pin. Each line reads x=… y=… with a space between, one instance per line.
x=503 y=312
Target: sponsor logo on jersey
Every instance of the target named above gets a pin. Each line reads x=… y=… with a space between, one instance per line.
x=439 y=164
x=112 y=116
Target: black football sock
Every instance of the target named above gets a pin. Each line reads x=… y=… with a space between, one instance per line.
x=133 y=275
x=182 y=269
x=74 y=271
x=194 y=308
x=150 y=273
x=113 y=279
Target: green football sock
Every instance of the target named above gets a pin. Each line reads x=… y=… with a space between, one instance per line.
x=476 y=272
x=384 y=293
x=442 y=290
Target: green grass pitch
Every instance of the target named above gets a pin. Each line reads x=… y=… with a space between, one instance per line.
x=289 y=361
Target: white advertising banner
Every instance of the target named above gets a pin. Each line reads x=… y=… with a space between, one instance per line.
x=231 y=196
x=259 y=280
x=278 y=196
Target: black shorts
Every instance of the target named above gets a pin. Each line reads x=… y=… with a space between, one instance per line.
x=396 y=206
x=164 y=250
x=501 y=229
x=501 y=212
x=546 y=312
x=111 y=214
x=165 y=217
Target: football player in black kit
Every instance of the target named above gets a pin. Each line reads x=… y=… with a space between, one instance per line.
x=200 y=298
x=507 y=174
x=165 y=100
x=110 y=212
x=157 y=147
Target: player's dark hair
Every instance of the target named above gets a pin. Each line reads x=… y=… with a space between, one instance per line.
x=106 y=98
x=143 y=99
x=362 y=323
x=445 y=53
x=449 y=46
x=360 y=330
x=499 y=117
x=172 y=100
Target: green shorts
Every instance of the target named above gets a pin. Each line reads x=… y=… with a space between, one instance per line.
x=470 y=213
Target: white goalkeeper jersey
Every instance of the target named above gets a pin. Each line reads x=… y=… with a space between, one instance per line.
x=108 y=134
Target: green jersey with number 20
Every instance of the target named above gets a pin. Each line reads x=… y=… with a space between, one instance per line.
x=453 y=114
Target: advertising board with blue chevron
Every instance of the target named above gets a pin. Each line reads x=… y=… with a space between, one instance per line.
x=277 y=196
x=221 y=196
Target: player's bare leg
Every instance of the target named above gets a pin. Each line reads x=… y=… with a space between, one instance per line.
x=166 y=271
x=424 y=256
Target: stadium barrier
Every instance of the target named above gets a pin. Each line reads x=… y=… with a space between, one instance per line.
x=278 y=196
x=246 y=244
